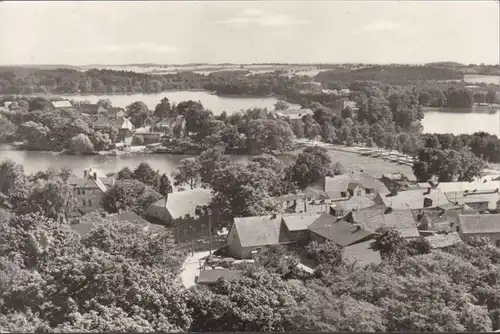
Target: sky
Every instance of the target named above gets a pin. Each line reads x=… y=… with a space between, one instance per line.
x=169 y=32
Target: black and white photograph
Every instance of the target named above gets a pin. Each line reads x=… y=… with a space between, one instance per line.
x=249 y=166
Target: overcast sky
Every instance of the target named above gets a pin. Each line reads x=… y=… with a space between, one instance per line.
x=80 y=33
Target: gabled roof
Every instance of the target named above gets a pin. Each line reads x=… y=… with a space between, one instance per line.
x=258 y=230
x=354 y=203
x=479 y=223
x=83 y=228
x=363 y=253
x=92 y=108
x=61 y=104
x=333 y=187
x=102 y=121
x=182 y=203
x=443 y=240
x=340 y=232
x=212 y=276
x=299 y=222
x=375 y=219
x=131 y=217
x=79 y=182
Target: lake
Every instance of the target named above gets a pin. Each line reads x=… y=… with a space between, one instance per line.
x=488 y=79
x=461 y=122
x=216 y=104
x=34 y=161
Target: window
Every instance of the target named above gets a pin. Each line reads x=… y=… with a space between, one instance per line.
x=83 y=202
x=78 y=191
x=90 y=202
x=343 y=194
x=83 y=191
x=358 y=193
x=368 y=191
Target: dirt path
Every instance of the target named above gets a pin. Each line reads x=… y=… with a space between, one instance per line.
x=191 y=268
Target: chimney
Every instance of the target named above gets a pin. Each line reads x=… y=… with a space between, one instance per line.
x=273 y=216
x=388 y=210
x=95 y=176
x=85 y=173
x=394 y=192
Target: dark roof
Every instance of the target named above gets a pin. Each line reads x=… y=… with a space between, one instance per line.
x=258 y=230
x=102 y=121
x=131 y=217
x=90 y=108
x=354 y=203
x=78 y=182
x=362 y=253
x=479 y=223
x=211 y=276
x=340 y=232
x=83 y=228
x=375 y=219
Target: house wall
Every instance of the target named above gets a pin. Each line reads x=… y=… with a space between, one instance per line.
x=161 y=214
x=124 y=133
x=88 y=198
x=234 y=244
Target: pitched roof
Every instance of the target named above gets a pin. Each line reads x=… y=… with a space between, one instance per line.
x=479 y=223
x=299 y=222
x=443 y=240
x=258 y=230
x=79 y=182
x=61 y=104
x=91 y=108
x=413 y=199
x=131 y=217
x=354 y=203
x=211 y=276
x=335 y=186
x=488 y=182
x=182 y=203
x=375 y=219
x=102 y=121
x=362 y=253
x=83 y=228
x=123 y=123
x=340 y=232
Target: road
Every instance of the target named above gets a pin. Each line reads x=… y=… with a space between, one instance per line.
x=191 y=268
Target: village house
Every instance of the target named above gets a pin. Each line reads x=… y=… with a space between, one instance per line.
x=90 y=190
x=185 y=212
x=93 y=109
x=479 y=225
x=168 y=126
x=210 y=277
x=487 y=183
x=341 y=232
x=61 y=104
x=249 y=236
x=302 y=203
x=480 y=200
x=376 y=219
x=293 y=113
x=341 y=187
x=124 y=126
x=362 y=253
x=342 y=208
x=437 y=219
x=101 y=122
x=297 y=225
x=115 y=112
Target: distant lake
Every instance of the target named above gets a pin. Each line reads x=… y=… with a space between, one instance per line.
x=457 y=122
x=488 y=79
x=216 y=104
